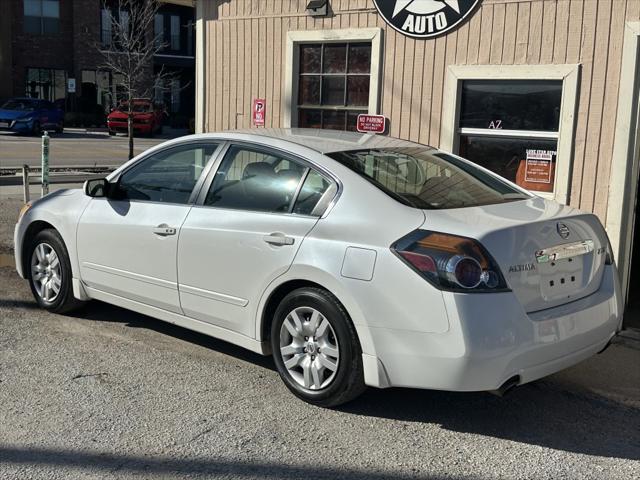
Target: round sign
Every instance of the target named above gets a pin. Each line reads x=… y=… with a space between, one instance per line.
x=425 y=18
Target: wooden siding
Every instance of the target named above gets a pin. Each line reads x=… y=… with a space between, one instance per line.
x=246 y=42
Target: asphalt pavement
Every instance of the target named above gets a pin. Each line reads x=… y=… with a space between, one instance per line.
x=111 y=394
x=75 y=147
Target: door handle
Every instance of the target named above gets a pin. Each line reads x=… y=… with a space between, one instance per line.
x=278 y=239
x=164 y=230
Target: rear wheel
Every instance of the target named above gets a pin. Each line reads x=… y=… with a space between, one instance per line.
x=315 y=348
x=50 y=274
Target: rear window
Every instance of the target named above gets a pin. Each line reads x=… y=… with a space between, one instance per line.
x=427 y=178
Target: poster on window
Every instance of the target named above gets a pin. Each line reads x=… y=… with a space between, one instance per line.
x=538 y=166
x=259 y=110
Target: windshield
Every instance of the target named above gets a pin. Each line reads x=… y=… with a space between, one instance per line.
x=428 y=179
x=23 y=105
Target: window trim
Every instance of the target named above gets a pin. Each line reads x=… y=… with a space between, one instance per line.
x=228 y=144
x=568 y=74
x=292 y=65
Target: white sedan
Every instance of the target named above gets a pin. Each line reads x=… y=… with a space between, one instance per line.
x=354 y=259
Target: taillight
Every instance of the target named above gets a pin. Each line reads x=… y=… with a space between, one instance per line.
x=450 y=262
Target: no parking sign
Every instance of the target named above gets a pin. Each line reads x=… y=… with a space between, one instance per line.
x=259 y=110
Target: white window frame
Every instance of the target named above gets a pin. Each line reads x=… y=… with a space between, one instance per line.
x=568 y=74
x=292 y=64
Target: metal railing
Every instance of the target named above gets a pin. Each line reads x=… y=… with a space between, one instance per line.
x=64 y=174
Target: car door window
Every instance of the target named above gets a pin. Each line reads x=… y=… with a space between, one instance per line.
x=168 y=176
x=315 y=195
x=252 y=179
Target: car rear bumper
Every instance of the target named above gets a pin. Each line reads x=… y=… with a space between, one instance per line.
x=491 y=339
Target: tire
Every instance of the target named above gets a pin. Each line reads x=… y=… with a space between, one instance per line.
x=327 y=388
x=112 y=133
x=40 y=256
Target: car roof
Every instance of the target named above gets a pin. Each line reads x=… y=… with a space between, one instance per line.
x=326 y=141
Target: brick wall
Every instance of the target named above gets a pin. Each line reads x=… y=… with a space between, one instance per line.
x=40 y=51
x=86 y=37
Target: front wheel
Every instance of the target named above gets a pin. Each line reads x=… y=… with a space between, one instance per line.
x=50 y=274
x=315 y=348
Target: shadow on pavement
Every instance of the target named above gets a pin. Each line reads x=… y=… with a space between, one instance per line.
x=105 y=312
x=550 y=413
x=547 y=413
x=161 y=466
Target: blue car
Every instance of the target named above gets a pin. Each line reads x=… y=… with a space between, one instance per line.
x=30 y=115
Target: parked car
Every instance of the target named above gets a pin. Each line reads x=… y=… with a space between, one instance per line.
x=30 y=115
x=147 y=118
x=354 y=259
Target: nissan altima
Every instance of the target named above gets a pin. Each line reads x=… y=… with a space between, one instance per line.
x=355 y=260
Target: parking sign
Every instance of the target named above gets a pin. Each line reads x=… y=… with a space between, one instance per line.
x=259 y=110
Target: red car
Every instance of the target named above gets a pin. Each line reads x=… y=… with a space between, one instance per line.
x=147 y=118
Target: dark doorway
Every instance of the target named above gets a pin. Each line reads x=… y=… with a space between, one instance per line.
x=632 y=315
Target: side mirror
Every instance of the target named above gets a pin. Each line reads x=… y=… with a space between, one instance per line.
x=96 y=187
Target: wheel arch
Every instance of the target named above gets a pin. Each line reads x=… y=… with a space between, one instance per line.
x=272 y=298
x=32 y=230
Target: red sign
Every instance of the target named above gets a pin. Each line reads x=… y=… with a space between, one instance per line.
x=371 y=123
x=259 y=110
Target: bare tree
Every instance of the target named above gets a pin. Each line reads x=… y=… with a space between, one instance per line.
x=128 y=52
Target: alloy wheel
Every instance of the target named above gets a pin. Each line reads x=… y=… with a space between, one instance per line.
x=309 y=348
x=46 y=272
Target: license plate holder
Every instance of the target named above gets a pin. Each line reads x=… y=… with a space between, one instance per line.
x=566 y=250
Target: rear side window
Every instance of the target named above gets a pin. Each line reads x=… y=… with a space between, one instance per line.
x=428 y=178
x=314 y=195
x=168 y=176
x=251 y=179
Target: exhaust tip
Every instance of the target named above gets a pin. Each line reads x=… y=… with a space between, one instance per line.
x=507 y=386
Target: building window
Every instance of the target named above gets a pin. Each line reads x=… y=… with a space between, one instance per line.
x=175 y=32
x=108 y=33
x=517 y=120
x=46 y=84
x=333 y=84
x=41 y=16
x=511 y=128
x=158 y=30
x=331 y=76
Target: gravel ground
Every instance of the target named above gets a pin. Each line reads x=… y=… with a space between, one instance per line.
x=112 y=394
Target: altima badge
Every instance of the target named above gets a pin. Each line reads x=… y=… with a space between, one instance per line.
x=563 y=230
x=524 y=267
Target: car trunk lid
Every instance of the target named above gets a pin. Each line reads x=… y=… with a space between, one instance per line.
x=549 y=254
